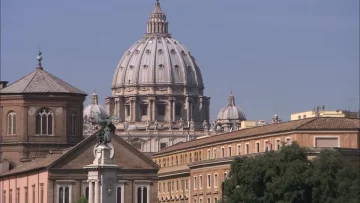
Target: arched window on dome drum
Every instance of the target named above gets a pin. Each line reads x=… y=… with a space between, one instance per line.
x=73 y=123
x=11 y=121
x=161 y=109
x=44 y=122
x=178 y=109
x=144 y=109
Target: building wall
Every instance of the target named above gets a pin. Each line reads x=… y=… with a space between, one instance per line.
x=35 y=183
x=26 y=108
x=213 y=159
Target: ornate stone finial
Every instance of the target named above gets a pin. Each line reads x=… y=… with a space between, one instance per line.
x=157 y=23
x=39 y=59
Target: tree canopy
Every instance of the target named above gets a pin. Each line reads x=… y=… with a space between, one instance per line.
x=287 y=176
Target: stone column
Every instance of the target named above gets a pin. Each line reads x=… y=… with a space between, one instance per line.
x=154 y=110
x=97 y=192
x=174 y=109
x=187 y=109
x=202 y=110
x=170 y=109
x=91 y=191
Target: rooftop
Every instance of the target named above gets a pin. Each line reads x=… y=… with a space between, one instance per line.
x=317 y=123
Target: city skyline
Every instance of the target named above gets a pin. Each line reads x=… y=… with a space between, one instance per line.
x=272 y=56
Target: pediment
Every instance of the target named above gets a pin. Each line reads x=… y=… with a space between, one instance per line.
x=125 y=156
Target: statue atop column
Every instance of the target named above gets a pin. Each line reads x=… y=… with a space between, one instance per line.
x=170 y=125
x=107 y=127
x=156 y=124
x=235 y=126
x=147 y=125
x=181 y=124
x=205 y=125
x=191 y=124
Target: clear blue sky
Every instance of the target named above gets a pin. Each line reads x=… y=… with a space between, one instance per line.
x=276 y=56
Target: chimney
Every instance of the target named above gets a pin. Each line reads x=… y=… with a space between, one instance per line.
x=3 y=84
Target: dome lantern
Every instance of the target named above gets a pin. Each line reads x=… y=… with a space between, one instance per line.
x=157 y=23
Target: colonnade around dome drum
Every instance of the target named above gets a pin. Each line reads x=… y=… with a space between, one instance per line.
x=163 y=109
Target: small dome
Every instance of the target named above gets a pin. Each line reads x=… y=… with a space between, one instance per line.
x=94 y=108
x=231 y=111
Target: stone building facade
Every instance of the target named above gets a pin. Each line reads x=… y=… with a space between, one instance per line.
x=59 y=176
x=194 y=171
x=38 y=112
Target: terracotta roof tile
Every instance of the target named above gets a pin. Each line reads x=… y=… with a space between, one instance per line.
x=40 y=81
x=324 y=123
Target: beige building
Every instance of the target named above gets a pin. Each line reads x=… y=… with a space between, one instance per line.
x=321 y=112
x=194 y=171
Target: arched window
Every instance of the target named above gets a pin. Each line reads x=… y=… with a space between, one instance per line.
x=142 y=195
x=73 y=123
x=11 y=119
x=118 y=196
x=44 y=122
x=64 y=194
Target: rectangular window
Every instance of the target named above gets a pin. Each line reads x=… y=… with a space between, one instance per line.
x=215 y=200
x=177 y=185
x=209 y=154
x=200 y=182
x=164 y=187
x=208 y=200
x=326 y=142
x=195 y=180
x=247 y=149
x=186 y=184
x=208 y=181
x=257 y=147
x=229 y=151
x=168 y=186
x=144 y=109
x=288 y=141
x=239 y=149
x=4 y=196
x=172 y=186
x=177 y=109
x=163 y=145
x=18 y=195
x=222 y=152
x=215 y=180
x=42 y=193
x=214 y=153
x=26 y=195
x=10 y=196
x=127 y=109
x=277 y=144
x=33 y=194
x=160 y=109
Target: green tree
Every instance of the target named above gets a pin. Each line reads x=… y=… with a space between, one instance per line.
x=334 y=179
x=82 y=200
x=288 y=176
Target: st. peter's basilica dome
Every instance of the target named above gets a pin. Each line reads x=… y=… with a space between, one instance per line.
x=157 y=83
x=157 y=59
